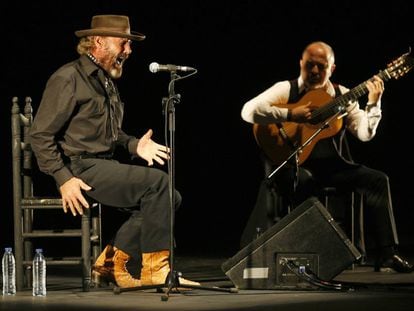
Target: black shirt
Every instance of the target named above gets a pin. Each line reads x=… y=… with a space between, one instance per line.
x=80 y=113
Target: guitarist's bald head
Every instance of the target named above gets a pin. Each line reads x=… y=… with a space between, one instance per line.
x=321 y=45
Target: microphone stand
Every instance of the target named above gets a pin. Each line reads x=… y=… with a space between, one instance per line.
x=172 y=280
x=169 y=110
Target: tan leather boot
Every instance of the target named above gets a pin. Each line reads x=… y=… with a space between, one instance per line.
x=103 y=268
x=155 y=269
x=122 y=277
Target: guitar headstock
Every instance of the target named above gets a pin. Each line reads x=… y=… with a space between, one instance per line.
x=400 y=66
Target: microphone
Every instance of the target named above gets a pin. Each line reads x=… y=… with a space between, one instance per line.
x=155 y=67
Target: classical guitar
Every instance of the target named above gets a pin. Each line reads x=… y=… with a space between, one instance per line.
x=279 y=140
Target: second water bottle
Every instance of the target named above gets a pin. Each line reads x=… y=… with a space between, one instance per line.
x=39 y=273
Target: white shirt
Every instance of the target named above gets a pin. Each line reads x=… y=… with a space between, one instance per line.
x=262 y=109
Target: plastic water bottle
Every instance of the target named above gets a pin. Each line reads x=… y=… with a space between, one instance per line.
x=39 y=273
x=9 y=272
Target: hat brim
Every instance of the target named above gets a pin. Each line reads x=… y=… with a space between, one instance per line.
x=98 y=32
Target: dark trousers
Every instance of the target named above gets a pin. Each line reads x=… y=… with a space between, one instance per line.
x=372 y=184
x=144 y=191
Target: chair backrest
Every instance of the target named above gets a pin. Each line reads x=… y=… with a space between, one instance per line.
x=22 y=180
x=21 y=151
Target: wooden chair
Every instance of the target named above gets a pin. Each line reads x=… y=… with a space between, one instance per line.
x=27 y=207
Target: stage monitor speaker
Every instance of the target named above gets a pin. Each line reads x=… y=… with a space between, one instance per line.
x=307 y=236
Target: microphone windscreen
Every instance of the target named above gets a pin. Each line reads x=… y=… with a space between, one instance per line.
x=153 y=67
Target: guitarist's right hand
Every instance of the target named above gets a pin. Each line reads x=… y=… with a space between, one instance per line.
x=301 y=114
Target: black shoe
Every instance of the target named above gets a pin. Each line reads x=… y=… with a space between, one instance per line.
x=396 y=263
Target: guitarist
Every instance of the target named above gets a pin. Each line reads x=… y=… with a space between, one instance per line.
x=326 y=165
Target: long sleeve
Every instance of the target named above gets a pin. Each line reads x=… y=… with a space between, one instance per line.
x=55 y=109
x=363 y=123
x=261 y=109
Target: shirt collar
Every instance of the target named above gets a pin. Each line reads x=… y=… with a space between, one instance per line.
x=93 y=70
x=329 y=87
x=89 y=65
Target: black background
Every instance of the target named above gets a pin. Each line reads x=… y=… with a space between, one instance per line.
x=239 y=48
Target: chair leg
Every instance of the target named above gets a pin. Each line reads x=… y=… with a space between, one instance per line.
x=86 y=251
x=27 y=247
x=96 y=231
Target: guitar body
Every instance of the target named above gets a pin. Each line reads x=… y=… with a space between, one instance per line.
x=278 y=148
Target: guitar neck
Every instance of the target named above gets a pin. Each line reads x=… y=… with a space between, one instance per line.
x=339 y=103
x=360 y=89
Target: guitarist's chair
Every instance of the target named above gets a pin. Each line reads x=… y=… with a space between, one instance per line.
x=271 y=205
x=36 y=218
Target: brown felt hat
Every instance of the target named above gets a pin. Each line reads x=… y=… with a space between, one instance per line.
x=111 y=26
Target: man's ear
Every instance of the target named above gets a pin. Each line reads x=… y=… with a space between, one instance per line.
x=98 y=41
x=333 y=68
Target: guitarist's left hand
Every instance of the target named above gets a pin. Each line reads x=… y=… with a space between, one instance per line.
x=375 y=88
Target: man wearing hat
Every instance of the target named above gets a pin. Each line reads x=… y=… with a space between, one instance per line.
x=74 y=134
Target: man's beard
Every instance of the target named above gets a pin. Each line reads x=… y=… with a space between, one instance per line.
x=115 y=73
